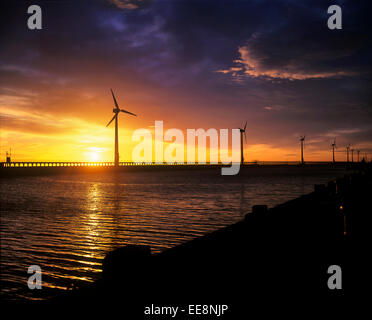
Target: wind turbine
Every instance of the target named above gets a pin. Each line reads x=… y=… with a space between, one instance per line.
x=302 y=139
x=117 y=110
x=347 y=152
x=333 y=150
x=352 y=155
x=241 y=143
x=358 y=151
x=9 y=156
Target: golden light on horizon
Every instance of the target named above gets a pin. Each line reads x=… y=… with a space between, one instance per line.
x=50 y=137
x=94 y=156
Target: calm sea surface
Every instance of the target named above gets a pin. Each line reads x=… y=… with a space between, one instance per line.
x=67 y=223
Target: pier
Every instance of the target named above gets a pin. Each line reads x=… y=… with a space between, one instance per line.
x=26 y=164
x=31 y=164
x=19 y=169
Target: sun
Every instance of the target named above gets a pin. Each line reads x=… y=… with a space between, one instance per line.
x=94 y=156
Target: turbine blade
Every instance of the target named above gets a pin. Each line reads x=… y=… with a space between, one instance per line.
x=116 y=104
x=125 y=111
x=245 y=137
x=245 y=126
x=111 y=120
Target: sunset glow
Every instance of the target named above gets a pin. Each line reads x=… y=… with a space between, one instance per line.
x=55 y=100
x=184 y=159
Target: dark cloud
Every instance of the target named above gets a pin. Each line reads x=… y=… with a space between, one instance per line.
x=302 y=47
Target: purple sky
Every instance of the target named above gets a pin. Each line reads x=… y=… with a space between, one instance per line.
x=208 y=64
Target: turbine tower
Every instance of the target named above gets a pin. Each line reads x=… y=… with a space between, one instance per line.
x=241 y=143
x=352 y=155
x=347 y=152
x=333 y=150
x=117 y=110
x=302 y=139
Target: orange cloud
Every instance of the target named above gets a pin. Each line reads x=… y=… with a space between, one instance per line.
x=249 y=65
x=126 y=4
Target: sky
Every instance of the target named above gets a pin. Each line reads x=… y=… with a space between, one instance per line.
x=192 y=64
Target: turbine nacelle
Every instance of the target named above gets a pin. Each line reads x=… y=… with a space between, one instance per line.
x=334 y=144
x=116 y=110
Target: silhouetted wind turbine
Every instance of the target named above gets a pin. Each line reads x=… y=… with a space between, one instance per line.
x=358 y=151
x=302 y=139
x=116 y=110
x=241 y=143
x=352 y=155
x=347 y=152
x=333 y=150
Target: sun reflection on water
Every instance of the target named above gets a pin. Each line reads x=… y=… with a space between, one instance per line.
x=66 y=224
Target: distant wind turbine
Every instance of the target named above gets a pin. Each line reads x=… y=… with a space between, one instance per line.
x=117 y=110
x=302 y=139
x=241 y=142
x=352 y=155
x=333 y=150
x=347 y=152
